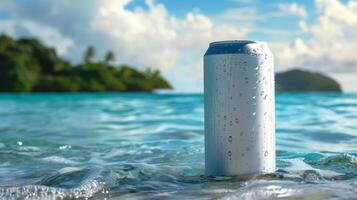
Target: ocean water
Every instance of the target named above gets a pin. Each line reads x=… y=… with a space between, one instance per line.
x=150 y=146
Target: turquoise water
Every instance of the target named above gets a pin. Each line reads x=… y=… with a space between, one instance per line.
x=150 y=146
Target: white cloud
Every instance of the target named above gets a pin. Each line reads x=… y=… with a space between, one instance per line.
x=151 y=36
x=143 y=36
x=332 y=44
x=156 y=38
x=243 y=14
x=48 y=35
x=348 y=80
x=293 y=8
x=250 y=13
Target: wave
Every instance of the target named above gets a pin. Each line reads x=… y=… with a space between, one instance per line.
x=45 y=192
x=262 y=189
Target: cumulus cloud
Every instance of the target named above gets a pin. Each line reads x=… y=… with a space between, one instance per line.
x=154 y=37
x=243 y=14
x=293 y=8
x=49 y=35
x=331 y=45
x=150 y=36
x=250 y=13
x=68 y=19
x=143 y=36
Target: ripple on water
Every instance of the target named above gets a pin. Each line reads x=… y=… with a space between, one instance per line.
x=44 y=192
x=151 y=146
x=263 y=189
x=58 y=160
x=66 y=183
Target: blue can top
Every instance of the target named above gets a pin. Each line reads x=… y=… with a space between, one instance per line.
x=229 y=47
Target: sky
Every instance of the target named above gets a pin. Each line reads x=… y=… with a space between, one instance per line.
x=173 y=35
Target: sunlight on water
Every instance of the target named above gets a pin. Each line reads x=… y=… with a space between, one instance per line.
x=150 y=146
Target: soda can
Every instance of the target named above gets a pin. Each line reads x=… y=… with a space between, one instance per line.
x=239 y=108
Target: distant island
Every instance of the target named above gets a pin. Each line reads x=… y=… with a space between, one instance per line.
x=298 y=80
x=26 y=65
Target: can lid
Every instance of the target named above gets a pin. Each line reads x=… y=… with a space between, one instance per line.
x=228 y=42
x=235 y=47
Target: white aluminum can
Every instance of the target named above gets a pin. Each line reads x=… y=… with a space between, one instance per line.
x=239 y=108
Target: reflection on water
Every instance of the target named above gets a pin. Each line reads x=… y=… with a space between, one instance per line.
x=150 y=146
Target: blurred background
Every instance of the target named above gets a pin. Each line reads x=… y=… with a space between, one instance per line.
x=132 y=142
x=172 y=36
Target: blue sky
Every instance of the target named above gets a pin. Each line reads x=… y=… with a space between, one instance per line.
x=319 y=35
x=214 y=9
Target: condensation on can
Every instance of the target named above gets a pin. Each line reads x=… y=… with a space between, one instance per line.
x=239 y=108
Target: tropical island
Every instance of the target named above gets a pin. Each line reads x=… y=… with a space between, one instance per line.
x=26 y=65
x=298 y=80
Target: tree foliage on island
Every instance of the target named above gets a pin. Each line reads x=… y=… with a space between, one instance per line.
x=26 y=65
x=298 y=80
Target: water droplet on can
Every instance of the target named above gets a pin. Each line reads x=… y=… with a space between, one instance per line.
x=230 y=138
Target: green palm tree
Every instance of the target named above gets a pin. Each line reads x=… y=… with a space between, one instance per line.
x=109 y=57
x=89 y=54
